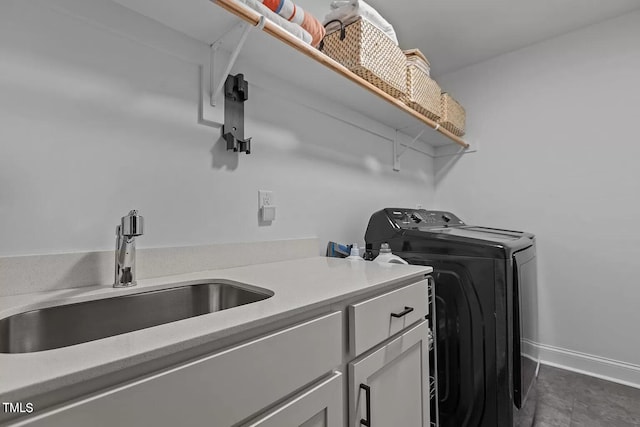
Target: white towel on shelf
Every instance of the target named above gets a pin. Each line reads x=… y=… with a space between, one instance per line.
x=294 y=29
x=348 y=11
x=419 y=63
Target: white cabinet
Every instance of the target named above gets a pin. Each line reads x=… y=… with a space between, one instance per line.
x=390 y=386
x=319 y=406
x=292 y=377
x=219 y=390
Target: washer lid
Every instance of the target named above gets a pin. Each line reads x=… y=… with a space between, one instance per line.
x=481 y=233
x=475 y=236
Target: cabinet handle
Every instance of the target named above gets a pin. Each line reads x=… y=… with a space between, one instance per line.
x=403 y=313
x=366 y=422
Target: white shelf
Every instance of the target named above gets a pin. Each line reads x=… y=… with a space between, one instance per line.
x=278 y=53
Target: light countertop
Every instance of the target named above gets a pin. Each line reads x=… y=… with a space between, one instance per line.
x=298 y=286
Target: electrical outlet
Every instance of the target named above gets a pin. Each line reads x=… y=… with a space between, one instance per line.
x=266 y=206
x=265 y=198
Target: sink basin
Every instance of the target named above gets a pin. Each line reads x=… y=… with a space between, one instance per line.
x=65 y=325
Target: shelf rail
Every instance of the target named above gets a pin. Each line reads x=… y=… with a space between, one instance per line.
x=397 y=152
x=254 y=18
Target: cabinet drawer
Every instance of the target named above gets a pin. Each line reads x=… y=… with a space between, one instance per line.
x=376 y=319
x=218 y=390
x=321 y=405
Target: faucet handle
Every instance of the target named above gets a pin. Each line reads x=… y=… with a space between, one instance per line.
x=132 y=224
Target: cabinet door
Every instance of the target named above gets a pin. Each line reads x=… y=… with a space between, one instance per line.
x=319 y=406
x=390 y=387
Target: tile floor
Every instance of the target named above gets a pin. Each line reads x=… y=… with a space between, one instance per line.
x=567 y=399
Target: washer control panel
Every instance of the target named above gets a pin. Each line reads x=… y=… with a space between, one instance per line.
x=418 y=218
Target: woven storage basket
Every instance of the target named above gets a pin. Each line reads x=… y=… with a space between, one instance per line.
x=453 y=115
x=423 y=93
x=370 y=54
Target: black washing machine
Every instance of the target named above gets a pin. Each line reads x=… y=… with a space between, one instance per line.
x=486 y=312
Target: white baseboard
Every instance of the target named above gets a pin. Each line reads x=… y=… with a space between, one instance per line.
x=587 y=364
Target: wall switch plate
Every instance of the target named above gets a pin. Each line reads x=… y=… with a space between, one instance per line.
x=266 y=205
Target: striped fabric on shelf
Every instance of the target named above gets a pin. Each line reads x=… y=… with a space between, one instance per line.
x=293 y=13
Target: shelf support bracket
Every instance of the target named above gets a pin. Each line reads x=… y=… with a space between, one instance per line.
x=397 y=153
x=216 y=88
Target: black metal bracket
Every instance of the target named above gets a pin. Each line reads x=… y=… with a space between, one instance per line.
x=236 y=91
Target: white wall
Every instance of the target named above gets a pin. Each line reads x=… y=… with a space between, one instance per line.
x=98 y=115
x=559 y=156
x=98 y=112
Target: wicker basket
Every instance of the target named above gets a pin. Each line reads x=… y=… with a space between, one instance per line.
x=423 y=93
x=370 y=54
x=453 y=115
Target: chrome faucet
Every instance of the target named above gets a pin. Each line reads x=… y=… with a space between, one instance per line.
x=130 y=226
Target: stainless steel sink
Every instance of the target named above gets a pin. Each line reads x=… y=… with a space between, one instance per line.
x=65 y=325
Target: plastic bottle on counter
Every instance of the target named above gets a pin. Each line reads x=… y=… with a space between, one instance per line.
x=355 y=253
x=386 y=257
